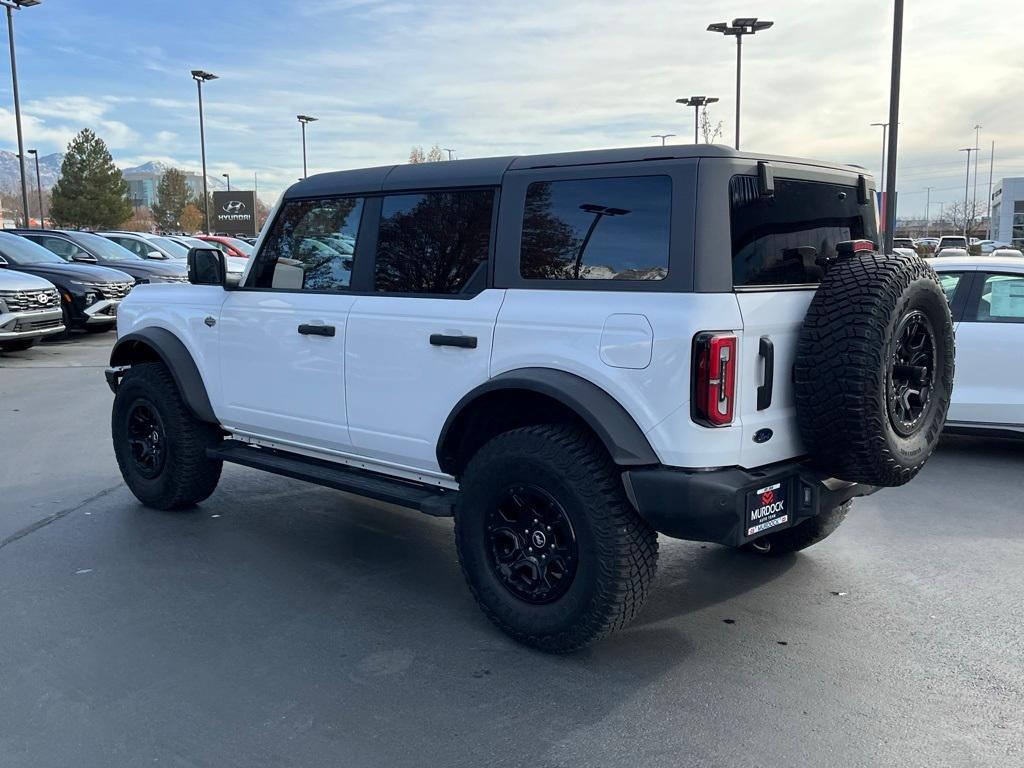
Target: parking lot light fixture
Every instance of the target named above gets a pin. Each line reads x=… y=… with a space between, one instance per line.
x=11 y=6
x=697 y=102
x=662 y=136
x=738 y=29
x=303 y=120
x=228 y=177
x=451 y=153
x=203 y=77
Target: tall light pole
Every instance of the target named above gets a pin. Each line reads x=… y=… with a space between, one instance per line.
x=303 y=120
x=697 y=102
x=967 y=184
x=739 y=28
x=894 y=124
x=600 y=212
x=11 y=5
x=885 y=128
x=39 y=189
x=228 y=177
x=450 y=152
x=928 y=229
x=977 y=156
x=927 y=209
x=988 y=205
x=203 y=77
x=662 y=136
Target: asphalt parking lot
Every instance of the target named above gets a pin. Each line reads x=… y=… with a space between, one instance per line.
x=280 y=624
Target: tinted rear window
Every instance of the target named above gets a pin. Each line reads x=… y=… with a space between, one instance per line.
x=777 y=240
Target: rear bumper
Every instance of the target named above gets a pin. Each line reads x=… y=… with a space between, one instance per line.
x=710 y=505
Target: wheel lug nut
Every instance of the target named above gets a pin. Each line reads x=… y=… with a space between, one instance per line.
x=549 y=527
x=529 y=549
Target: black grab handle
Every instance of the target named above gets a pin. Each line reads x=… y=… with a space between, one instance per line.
x=441 y=340
x=764 y=392
x=308 y=329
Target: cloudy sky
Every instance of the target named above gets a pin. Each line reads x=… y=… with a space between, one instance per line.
x=490 y=78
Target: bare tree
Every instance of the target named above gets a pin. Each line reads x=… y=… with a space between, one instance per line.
x=710 y=132
x=955 y=214
x=434 y=155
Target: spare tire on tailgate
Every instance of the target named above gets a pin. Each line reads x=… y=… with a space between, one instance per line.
x=874 y=369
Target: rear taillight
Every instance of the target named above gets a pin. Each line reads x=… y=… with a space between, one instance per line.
x=714 y=378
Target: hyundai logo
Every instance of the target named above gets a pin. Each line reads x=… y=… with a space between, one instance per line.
x=233 y=206
x=42 y=298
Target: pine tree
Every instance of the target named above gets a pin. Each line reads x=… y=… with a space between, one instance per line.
x=172 y=195
x=91 y=192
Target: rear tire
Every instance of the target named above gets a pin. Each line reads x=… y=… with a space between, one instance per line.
x=552 y=489
x=874 y=369
x=800 y=536
x=160 y=446
x=18 y=346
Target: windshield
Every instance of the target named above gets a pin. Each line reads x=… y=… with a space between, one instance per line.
x=168 y=246
x=18 y=250
x=241 y=245
x=103 y=248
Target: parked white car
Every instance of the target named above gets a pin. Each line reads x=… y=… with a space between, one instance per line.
x=986 y=296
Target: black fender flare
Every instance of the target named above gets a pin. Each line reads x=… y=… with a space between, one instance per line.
x=617 y=430
x=175 y=355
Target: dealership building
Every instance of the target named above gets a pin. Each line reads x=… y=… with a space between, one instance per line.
x=143 y=181
x=1008 y=211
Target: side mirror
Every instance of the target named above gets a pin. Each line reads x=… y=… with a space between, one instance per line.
x=155 y=255
x=207 y=266
x=84 y=258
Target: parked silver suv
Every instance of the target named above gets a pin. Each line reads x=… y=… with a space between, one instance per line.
x=29 y=310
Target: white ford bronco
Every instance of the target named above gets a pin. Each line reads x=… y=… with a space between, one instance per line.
x=568 y=353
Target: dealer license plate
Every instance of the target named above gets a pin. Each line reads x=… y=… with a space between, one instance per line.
x=767 y=509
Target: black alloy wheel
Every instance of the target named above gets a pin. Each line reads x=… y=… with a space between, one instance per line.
x=532 y=545
x=147 y=439
x=911 y=372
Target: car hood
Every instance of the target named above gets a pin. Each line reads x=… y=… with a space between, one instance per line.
x=22 y=281
x=57 y=272
x=146 y=268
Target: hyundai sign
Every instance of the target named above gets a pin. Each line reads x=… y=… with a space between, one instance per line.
x=234 y=213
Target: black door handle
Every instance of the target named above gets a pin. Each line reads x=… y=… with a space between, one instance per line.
x=764 y=392
x=308 y=329
x=441 y=340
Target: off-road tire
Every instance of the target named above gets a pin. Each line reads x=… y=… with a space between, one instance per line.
x=800 y=536
x=617 y=550
x=18 y=345
x=842 y=371
x=187 y=476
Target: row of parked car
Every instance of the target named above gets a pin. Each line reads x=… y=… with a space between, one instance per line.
x=52 y=281
x=954 y=245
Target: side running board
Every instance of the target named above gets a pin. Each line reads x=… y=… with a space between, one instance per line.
x=437 y=502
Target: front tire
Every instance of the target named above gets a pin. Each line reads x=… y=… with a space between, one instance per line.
x=550 y=547
x=800 y=536
x=18 y=346
x=160 y=446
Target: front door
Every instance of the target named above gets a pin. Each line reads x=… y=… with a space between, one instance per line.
x=282 y=336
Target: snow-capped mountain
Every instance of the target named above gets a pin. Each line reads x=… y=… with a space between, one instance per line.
x=10 y=175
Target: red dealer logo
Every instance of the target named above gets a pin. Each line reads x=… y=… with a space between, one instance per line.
x=767 y=497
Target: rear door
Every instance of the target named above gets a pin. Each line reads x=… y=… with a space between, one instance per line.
x=989 y=384
x=777 y=243
x=422 y=339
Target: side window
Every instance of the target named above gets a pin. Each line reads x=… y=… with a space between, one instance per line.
x=310 y=246
x=59 y=246
x=219 y=246
x=950 y=282
x=135 y=246
x=435 y=242
x=597 y=229
x=1002 y=299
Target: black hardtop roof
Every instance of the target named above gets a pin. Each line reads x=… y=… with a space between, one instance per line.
x=488 y=171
